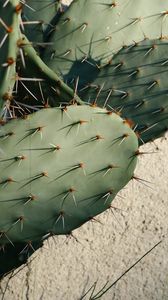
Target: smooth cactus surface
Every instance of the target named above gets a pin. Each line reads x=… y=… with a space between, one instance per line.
x=60 y=168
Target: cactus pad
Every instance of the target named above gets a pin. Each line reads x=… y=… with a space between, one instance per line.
x=135 y=83
x=60 y=168
x=39 y=18
x=92 y=31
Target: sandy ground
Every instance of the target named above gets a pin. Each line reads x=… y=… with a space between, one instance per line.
x=65 y=268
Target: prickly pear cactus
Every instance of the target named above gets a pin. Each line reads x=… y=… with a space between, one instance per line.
x=40 y=18
x=21 y=76
x=9 y=46
x=92 y=31
x=82 y=50
x=39 y=86
x=60 y=168
x=135 y=84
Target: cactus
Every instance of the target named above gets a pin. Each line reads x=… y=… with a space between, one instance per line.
x=91 y=59
x=43 y=85
x=135 y=84
x=9 y=37
x=40 y=18
x=13 y=65
x=92 y=31
x=48 y=160
x=69 y=162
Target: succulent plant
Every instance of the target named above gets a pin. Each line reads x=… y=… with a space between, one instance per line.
x=106 y=85
x=40 y=18
x=14 y=67
x=43 y=85
x=9 y=37
x=135 y=85
x=60 y=168
x=93 y=31
x=82 y=51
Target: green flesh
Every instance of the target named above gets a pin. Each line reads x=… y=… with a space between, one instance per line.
x=94 y=30
x=60 y=168
x=40 y=18
x=135 y=83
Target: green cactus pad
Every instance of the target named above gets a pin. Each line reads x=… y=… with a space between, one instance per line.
x=39 y=18
x=60 y=167
x=135 y=83
x=92 y=31
x=9 y=37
